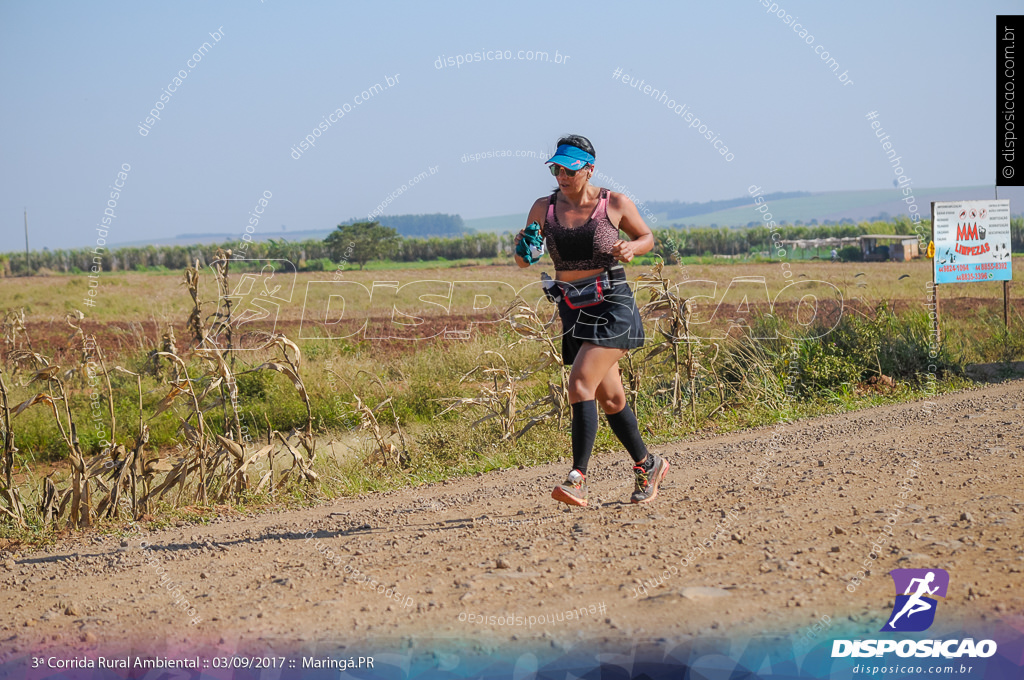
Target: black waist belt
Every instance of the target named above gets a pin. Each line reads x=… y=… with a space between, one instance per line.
x=615 y=275
x=591 y=290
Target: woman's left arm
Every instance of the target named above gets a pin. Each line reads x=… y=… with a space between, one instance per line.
x=642 y=240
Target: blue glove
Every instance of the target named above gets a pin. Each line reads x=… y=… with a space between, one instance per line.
x=531 y=246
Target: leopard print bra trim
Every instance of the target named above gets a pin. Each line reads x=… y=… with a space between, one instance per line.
x=588 y=246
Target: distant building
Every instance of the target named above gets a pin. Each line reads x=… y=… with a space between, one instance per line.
x=876 y=247
x=882 y=247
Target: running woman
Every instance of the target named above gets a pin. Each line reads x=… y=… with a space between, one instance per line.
x=581 y=225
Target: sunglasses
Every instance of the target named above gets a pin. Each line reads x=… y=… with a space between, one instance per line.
x=555 y=169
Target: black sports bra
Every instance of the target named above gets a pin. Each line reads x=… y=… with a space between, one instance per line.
x=588 y=246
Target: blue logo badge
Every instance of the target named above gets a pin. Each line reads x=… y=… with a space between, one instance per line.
x=914 y=611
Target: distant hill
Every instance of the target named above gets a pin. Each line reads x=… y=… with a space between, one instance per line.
x=836 y=206
x=806 y=207
x=675 y=210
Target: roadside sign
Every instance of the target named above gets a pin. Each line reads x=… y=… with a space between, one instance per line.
x=972 y=241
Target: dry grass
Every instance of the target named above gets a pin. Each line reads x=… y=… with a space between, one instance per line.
x=188 y=389
x=157 y=297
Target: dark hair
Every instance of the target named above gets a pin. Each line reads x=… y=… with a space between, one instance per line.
x=580 y=142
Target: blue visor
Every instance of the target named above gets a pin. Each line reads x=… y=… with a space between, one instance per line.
x=571 y=157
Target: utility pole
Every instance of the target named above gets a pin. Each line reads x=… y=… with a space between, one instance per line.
x=28 y=265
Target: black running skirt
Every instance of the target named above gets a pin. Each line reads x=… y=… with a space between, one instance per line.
x=615 y=322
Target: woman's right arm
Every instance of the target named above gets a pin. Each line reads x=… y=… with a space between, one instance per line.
x=538 y=213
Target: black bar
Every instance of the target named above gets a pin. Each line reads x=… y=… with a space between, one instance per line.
x=1009 y=146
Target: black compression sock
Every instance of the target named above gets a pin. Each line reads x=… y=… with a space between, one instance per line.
x=625 y=427
x=584 y=431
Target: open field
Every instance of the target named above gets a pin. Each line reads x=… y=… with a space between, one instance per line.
x=420 y=332
x=386 y=379
x=150 y=301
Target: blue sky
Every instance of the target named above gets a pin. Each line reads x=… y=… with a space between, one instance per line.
x=80 y=77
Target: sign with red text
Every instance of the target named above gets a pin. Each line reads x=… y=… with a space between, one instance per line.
x=972 y=241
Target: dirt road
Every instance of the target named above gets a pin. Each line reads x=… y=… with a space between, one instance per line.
x=761 y=531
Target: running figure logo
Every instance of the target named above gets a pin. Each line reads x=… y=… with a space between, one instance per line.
x=914 y=611
x=257 y=297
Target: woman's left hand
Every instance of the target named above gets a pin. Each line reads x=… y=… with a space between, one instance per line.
x=623 y=251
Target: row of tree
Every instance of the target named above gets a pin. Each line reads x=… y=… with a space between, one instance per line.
x=361 y=242
x=423 y=226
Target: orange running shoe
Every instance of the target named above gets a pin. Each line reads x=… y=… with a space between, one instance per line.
x=573 y=491
x=647 y=482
